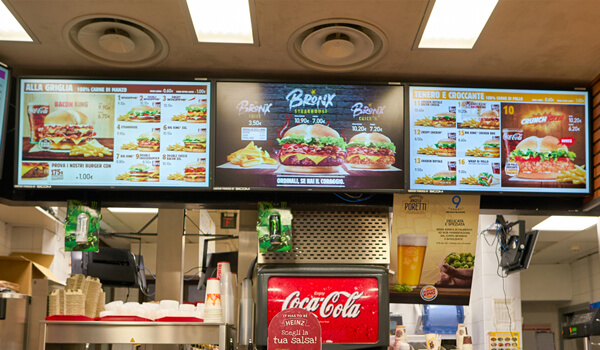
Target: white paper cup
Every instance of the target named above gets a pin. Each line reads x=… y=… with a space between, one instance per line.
x=213 y=294
x=169 y=304
x=223 y=266
x=116 y=306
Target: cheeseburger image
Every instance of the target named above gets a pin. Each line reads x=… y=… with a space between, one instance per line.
x=444 y=120
x=196 y=113
x=542 y=158
x=446 y=148
x=195 y=172
x=144 y=114
x=195 y=142
x=154 y=174
x=34 y=170
x=489 y=120
x=67 y=128
x=444 y=178
x=491 y=148
x=138 y=173
x=370 y=151
x=311 y=149
x=149 y=142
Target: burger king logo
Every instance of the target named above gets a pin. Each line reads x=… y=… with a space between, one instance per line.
x=429 y=293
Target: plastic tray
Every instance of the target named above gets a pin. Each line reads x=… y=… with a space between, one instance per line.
x=69 y=318
x=123 y=318
x=179 y=319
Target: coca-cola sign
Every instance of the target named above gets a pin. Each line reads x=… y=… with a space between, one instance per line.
x=347 y=307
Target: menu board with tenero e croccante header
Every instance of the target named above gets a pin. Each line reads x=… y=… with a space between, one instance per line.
x=103 y=133
x=493 y=140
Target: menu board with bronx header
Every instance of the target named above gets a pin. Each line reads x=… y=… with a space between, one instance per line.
x=493 y=140
x=108 y=133
x=308 y=136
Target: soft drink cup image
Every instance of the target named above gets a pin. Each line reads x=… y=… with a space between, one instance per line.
x=411 y=253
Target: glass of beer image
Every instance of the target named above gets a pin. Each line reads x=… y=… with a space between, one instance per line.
x=411 y=253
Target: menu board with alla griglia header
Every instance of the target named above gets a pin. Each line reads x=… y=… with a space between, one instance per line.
x=492 y=140
x=309 y=136
x=103 y=133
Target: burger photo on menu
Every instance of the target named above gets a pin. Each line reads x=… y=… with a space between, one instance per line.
x=489 y=120
x=370 y=151
x=446 y=148
x=138 y=173
x=66 y=129
x=149 y=142
x=144 y=114
x=34 y=170
x=195 y=142
x=196 y=113
x=444 y=120
x=444 y=178
x=153 y=174
x=311 y=149
x=542 y=158
x=195 y=172
x=491 y=148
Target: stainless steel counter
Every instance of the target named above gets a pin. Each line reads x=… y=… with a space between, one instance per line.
x=65 y=332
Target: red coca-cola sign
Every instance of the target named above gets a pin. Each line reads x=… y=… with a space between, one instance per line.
x=347 y=307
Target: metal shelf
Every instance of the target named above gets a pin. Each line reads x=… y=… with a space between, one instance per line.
x=66 y=332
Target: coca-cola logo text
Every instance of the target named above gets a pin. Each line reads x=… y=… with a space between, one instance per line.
x=38 y=109
x=326 y=306
x=514 y=137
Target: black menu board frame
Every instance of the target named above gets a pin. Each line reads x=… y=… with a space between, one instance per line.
x=172 y=99
x=5 y=75
x=256 y=115
x=520 y=113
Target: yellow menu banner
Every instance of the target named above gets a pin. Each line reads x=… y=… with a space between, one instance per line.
x=502 y=96
x=435 y=238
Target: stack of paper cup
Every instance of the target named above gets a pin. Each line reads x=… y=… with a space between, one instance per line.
x=212 y=302
x=227 y=297
x=223 y=266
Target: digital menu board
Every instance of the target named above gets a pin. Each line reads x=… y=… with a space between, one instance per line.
x=309 y=136
x=4 y=85
x=492 y=140
x=98 y=133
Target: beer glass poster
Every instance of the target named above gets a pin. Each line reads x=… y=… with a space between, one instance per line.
x=82 y=133
x=491 y=140
x=294 y=136
x=435 y=238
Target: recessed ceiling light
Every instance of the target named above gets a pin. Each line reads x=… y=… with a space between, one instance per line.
x=222 y=21
x=456 y=24
x=566 y=223
x=10 y=28
x=134 y=210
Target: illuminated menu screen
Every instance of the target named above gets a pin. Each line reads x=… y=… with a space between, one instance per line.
x=308 y=136
x=84 y=133
x=498 y=140
x=4 y=79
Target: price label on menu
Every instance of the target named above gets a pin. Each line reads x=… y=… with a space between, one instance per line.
x=98 y=133
x=491 y=140
x=291 y=136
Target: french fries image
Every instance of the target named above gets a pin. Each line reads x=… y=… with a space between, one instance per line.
x=475 y=152
x=176 y=147
x=471 y=123
x=179 y=117
x=425 y=180
x=423 y=122
x=123 y=118
x=129 y=146
x=429 y=150
x=90 y=149
x=471 y=180
x=576 y=176
x=123 y=176
x=176 y=177
x=250 y=156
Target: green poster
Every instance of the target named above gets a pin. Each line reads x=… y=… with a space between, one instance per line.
x=82 y=226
